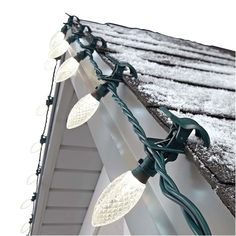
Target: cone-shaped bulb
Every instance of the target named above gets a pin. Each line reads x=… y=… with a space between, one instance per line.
x=26 y=204
x=117 y=199
x=67 y=69
x=58 y=49
x=31 y=179
x=25 y=228
x=82 y=111
x=56 y=39
x=58 y=45
x=35 y=147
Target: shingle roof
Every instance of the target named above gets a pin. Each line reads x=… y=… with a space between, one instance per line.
x=190 y=79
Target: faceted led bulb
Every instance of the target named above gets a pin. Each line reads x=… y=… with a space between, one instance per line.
x=67 y=69
x=25 y=228
x=82 y=111
x=56 y=39
x=58 y=49
x=27 y=203
x=35 y=147
x=117 y=199
x=31 y=179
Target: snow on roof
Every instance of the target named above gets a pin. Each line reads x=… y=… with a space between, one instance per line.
x=190 y=79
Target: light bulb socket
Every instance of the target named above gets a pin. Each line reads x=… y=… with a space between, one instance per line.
x=82 y=55
x=101 y=91
x=145 y=170
x=64 y=29
x=72 y=39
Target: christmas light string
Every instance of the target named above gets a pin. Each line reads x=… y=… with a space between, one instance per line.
x=43 y=139
x=159 y=151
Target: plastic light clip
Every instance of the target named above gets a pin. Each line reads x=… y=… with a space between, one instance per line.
x=31 y=219
x=72 y=21
x=49 y=101
x=177 y=136
x=33 y=198
x=94 y=43
x=118 y=71
x=38 y=170
x=81 y=31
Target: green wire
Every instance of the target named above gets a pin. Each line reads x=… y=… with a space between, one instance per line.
x=187 y=214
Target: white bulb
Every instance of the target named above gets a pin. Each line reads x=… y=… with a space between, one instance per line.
x=67 y=69
x=35 y=147
x=58 y=49
x=27 y=203
x=31 y=179
x=117 y=199
x=56 y=39
x=25 y=228
x=82 y=111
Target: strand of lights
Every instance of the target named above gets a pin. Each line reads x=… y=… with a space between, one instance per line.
x=27 y=202
x=123 y=193
x=57 y=47
x=34 y=178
